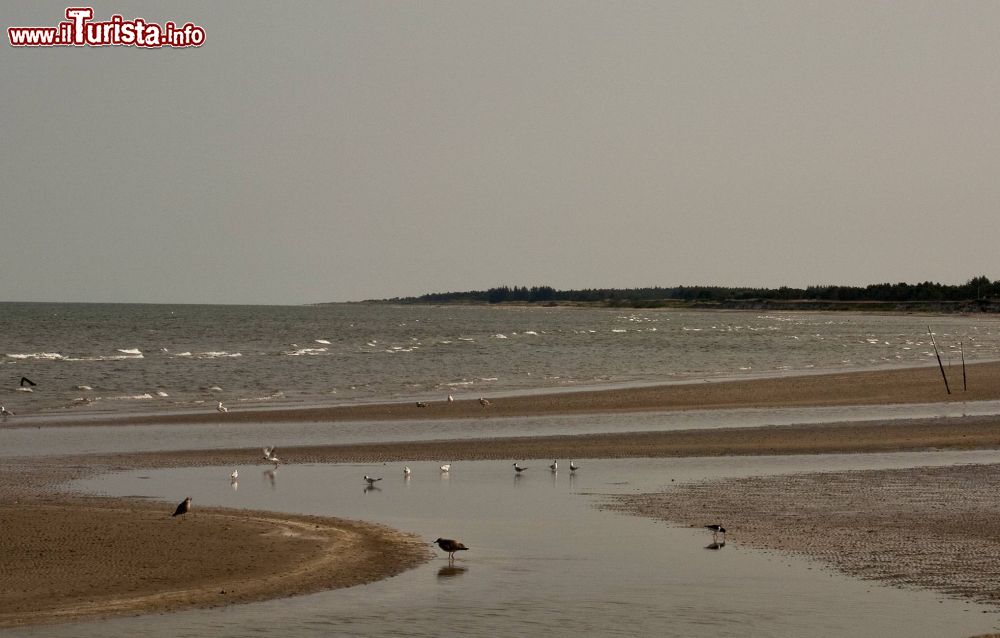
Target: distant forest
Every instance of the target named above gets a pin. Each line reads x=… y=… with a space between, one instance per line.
x=977 y=293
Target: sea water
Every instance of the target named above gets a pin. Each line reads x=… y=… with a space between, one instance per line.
x=89 y=358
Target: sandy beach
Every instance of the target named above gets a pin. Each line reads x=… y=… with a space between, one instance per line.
x=50 y=582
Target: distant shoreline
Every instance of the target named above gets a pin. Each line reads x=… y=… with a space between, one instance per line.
x=789 y=305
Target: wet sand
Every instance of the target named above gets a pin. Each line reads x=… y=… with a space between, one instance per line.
x=91 y=558
x=51 y=582
x=935 y=528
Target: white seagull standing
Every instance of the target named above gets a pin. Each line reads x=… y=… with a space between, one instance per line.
x=451 y=399
x=221 y=408
x=573 y=466
x=555 y=465
x=406 y=471
x=5 y=412
x=371 y=480
x=235 y=476
x=518 y=468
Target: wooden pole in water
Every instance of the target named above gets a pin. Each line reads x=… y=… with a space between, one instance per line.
x=938 y=355
x=961 y=348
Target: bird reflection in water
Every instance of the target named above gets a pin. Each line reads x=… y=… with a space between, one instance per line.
x=271 y=476
x=372 y=488
x=451 y=570
x=715 y=545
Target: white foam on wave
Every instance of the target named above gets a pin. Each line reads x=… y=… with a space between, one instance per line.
x=218 y=354
x=131 y=351
x=37 y=355
x=131 y=397
x=306 y=351
x=323 y=341
x=499 y=336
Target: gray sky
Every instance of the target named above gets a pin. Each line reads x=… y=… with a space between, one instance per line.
x=338 y=151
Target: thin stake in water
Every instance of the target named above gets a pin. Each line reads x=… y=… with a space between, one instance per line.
x=938 y=355
x=961 y=348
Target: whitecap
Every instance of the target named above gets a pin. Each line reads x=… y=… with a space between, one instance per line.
x=323 y=341
x=24 y=389
x=215 y=388
x=530 y=332
x=131 y=351
x=306 y=351
x=161 y=393
x=132 y=397
x=84 y=387
x=37 y=355
x=499 y=336
x=618 y=330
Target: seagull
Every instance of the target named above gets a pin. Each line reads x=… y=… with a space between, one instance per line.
x=5 y=412
x=406 y=471
x=573 y=466
x=421 y=404
x=27 y=381
x=234 y=476
x=716 y=530
x=451 y=399
x=371 y=480
x=450 y=546
x=555 y=465
x=221 y=408
x=483 y=402
x=270 y=456
x=446 y=467
x=183 y=508
x=518 y=468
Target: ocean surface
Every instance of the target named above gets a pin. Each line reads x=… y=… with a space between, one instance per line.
x=89 y=358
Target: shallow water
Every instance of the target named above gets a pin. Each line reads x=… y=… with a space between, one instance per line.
x=19 y=438
x=543 y=558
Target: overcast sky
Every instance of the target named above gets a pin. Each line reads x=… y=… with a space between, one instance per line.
x=338 y=151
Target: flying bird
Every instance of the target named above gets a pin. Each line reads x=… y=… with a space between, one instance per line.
x=371 y=480
x=270 y=456
x=183 y=508
x=518 y=468
x=27 y=381
x=221 y=408
x=450 y=546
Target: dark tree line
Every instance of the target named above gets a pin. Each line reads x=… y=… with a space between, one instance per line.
x=974 y=289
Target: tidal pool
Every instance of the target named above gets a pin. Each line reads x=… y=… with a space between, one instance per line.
x=544 y=558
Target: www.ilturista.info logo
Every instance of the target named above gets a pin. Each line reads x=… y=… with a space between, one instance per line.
x=80 y=30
